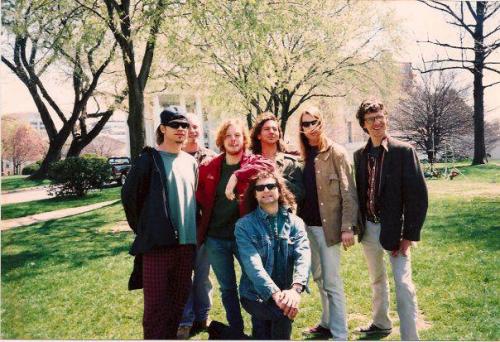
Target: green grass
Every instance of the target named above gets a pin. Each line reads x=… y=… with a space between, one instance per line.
x=67 y=279
x=14 y=210
x=21 y=182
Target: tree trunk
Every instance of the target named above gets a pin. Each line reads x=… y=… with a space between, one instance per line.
x=479 y=147
x=53 y=155
x=135 y=123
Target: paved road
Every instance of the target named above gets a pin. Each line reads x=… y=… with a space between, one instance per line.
x=25 y=196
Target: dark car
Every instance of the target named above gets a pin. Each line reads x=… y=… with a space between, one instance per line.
x=120 y=166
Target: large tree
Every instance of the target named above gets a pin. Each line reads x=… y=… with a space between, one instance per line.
x=434 y=115
x=59 y=36
x=278 y=55
x=479 y=38
x=137 y=27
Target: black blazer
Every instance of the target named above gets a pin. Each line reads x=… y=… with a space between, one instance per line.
x=402 y=195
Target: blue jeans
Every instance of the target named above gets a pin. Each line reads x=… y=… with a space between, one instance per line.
x=268 y=320
x=200 y=296
x=221 y=255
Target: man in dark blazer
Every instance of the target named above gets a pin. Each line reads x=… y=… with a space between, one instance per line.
x=393 y=202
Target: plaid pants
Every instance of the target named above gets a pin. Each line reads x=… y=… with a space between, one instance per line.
x=167 y=281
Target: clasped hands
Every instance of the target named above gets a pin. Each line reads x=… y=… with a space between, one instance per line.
x=288 y=301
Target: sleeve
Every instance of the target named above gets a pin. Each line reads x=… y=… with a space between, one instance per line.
x=251 y=263
x=135 y=189
x=295 y=183
x=415 y=197
x=348 y=193
x=302 y=254
x=252 y=165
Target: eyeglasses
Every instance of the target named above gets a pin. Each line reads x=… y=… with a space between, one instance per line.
x=372 y=119
x=306 y=124
x=176 y=125
x=262 y=187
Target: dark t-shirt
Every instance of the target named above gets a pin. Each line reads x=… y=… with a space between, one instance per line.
x=225 y=212
x=310 y=210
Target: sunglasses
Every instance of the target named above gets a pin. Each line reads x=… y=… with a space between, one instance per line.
x=262 y=187
x=176 y=125
x=306 y=124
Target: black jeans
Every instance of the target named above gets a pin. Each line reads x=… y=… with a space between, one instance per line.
x=268 y=320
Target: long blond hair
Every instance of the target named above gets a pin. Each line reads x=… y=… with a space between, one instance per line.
x=304 y=143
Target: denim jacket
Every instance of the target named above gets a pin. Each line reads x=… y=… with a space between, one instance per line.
x=255 y=241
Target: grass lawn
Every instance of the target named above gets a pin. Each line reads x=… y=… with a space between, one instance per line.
x=67 y=279
x=21 y=182
x=14 y=210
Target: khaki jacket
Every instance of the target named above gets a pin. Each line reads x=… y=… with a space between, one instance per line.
x=337 y=197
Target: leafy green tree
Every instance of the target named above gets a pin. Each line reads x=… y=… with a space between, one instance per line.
x=48 y=35
x=276 y=56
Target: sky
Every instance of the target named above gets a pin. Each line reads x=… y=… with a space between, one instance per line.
x=417 y=20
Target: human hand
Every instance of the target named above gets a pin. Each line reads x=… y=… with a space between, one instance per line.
x=291 y=301
x=231 y=184
x=347 y=239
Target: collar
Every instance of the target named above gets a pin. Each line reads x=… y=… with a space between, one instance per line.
x=384 y=144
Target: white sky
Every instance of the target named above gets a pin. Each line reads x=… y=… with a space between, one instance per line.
x=419 y=22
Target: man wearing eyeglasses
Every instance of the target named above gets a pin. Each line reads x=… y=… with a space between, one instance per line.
x=160 y=205
x=275 y=257
x=393 y=202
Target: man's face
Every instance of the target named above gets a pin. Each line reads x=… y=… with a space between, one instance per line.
x=233 y=141
x=175 y=131
x=311 y=127
x=376 y=124
x=194 y=130
x=269 y=134
x=266 y=196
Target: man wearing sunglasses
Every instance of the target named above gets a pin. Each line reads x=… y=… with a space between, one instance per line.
x=160 y=205
x=275 y=257
x=330 y=212
x=393 y=202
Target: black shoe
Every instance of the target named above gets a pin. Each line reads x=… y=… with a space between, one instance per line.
x=374 y=330
x=318 y=331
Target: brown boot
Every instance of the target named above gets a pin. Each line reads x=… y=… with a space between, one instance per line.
x=183 y=332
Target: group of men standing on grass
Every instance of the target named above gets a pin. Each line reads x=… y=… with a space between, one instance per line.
x=279 y=215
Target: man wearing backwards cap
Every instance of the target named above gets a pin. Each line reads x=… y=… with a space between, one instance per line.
x=159 y=202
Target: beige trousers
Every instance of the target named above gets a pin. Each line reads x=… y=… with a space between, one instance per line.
x=406 y=298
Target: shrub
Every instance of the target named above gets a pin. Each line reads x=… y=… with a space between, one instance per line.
x=31 y=168
x=75 y=176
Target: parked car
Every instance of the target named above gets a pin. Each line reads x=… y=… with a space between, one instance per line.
x=120 y=166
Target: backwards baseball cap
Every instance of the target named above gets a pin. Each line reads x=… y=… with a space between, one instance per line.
x=173 y=113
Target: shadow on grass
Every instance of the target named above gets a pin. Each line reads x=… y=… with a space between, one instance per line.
x=72 y=242
x=475 y=221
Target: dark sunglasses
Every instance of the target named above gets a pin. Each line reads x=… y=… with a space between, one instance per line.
x=176 y=125
x=262 y=187
x=306 y=124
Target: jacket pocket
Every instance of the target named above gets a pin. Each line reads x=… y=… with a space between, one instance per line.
x=334 y=184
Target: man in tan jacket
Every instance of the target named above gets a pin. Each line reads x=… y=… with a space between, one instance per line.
x=330 y=212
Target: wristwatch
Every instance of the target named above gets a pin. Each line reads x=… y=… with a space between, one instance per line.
x=299 y=289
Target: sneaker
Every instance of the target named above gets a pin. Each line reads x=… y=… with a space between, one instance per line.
x=183 y=332
x=319 y=331
x=374 y=330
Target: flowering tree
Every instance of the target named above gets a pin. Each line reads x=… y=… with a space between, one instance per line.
x=21 y=144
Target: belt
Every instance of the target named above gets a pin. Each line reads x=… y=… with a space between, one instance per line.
x=373 y=219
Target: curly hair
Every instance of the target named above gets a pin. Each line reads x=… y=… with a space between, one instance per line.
x=256 y=145
x=372 y=105
x=221 y=133
x=286 y=198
